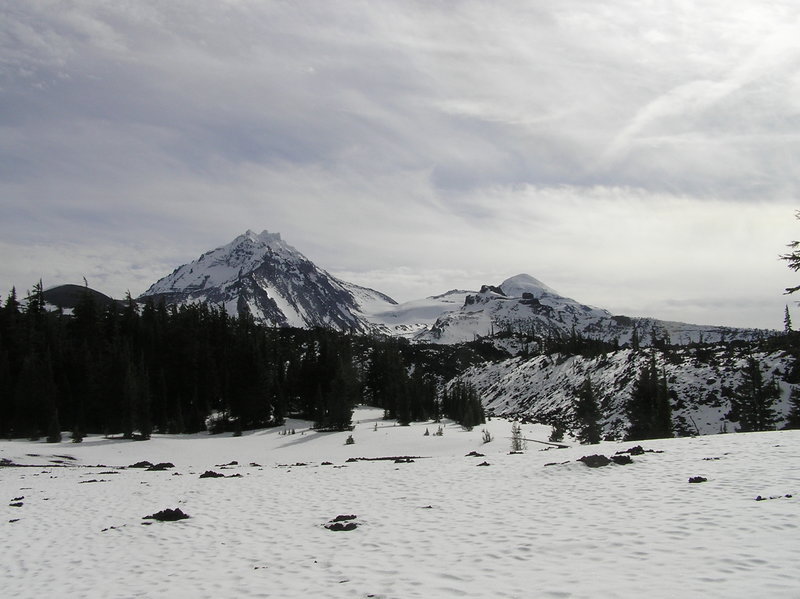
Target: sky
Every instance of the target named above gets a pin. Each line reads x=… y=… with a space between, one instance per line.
x=636 y=156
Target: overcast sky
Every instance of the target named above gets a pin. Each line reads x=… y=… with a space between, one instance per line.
x=637 y=156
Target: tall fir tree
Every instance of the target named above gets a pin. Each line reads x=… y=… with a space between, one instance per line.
x=587 y=413
x=793 y=418
x=753 y=401
x=649 y=409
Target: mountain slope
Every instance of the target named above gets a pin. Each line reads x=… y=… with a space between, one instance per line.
x=526 y=306
x=700 y=379
x=263 y=276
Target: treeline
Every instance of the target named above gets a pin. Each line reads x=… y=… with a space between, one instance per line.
x=134 y=369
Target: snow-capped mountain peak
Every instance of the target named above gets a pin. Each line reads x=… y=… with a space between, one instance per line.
x=262 y=275
x=523 y=283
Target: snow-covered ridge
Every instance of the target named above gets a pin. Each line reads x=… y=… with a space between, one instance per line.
x=544 y=387
x=262 y=275
x=224 y=264
x=524 y=305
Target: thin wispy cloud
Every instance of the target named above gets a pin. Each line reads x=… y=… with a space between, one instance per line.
x=636 y=157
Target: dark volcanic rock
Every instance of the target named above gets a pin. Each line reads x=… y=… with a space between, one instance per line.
x=344 y=517
x=144 y=464
x=698 y=479
x=212 y=474
x=342 y=522
x=161 y=466
x=167 y=515
x=339 y=526
x=622 y=460
x=595 y=461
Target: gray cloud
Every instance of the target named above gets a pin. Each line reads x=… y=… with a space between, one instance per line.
x=621 y=151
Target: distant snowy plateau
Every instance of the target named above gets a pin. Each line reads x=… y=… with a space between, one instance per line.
x=263 y=276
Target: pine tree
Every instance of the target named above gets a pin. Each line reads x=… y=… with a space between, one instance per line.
x=518 y=442
x=587 y=413
x=793 y=418
x=787 y=320
x=649 y=409
x=753 y=401
x=793 y=258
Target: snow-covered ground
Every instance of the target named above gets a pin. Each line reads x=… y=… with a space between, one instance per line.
x=440 y=526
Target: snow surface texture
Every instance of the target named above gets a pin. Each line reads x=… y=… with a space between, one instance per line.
x=260 y=274
x=545 y=387
x=440 y=526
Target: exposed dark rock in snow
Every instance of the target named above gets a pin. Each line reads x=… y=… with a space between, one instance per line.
x=342 y=522
x=212 y=474
x=698 y=479
x=161 y=466
x=339 y=526
x=167 y=515
x=595 y=461
x=144 y=464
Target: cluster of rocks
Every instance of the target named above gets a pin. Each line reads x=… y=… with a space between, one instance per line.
x=342 y=522
x=150 y=467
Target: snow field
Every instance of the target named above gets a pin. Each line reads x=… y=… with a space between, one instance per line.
x=441 y=526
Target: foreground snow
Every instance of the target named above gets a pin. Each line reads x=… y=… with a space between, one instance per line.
x=436 y=527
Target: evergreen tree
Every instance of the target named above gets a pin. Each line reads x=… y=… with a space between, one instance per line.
x=793 y=258
x=649 y=409
x=753 y=401
x=518 y=442
x=463 y=405
x=793 y=418
x=587 y=413
x=787 y=320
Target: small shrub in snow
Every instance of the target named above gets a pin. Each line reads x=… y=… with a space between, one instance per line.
x=518 y=443
x=557 y=433
x=439 y=432
x=427 y=433
x=486 y=436
x=350 y=440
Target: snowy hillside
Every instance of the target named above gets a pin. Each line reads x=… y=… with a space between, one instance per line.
x=544 y=387
x=525 y=305
x=262 y=275
x=444 y=524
